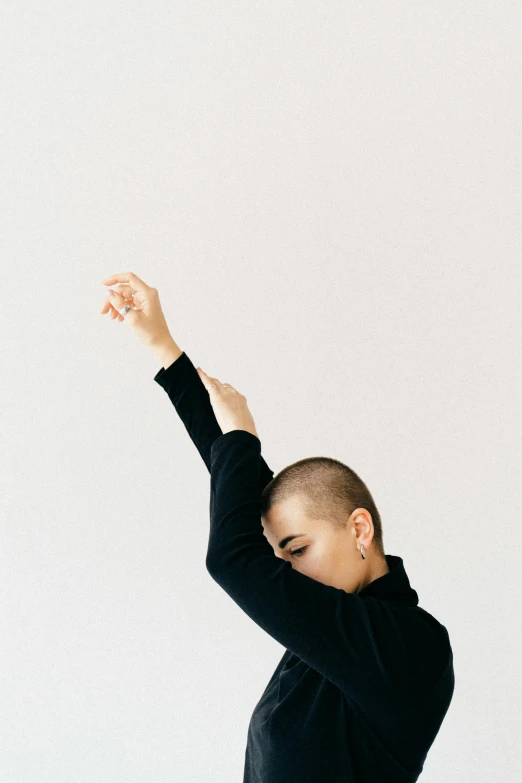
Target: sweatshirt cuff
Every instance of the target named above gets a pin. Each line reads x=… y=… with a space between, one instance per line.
x=174 y=372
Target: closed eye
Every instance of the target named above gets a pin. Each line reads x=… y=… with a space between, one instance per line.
x=299 y=552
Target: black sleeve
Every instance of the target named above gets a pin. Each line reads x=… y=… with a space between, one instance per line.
x=191 y=400
x=370 y=648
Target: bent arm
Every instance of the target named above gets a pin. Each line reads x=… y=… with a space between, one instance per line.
x=379 y=654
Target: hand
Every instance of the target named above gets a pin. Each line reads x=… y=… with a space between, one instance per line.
x=230 y=407
x=146 y=320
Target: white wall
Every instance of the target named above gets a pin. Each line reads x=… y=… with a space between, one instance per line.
x=327 y=197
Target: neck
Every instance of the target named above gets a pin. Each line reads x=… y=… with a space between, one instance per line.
x=379 y=568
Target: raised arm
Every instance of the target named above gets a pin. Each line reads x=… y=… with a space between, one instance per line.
x=178 y=376
x=180 y=379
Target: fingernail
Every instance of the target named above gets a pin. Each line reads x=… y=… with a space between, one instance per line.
x=110 y=293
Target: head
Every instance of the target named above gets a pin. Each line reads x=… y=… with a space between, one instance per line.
x=331 y=511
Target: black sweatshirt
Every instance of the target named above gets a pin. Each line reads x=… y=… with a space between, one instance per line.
x=366 y=678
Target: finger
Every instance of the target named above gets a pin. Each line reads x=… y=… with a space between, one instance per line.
x=125 y=290
x=117 y=302
x=115 y=314
x=209 y=381
x=125 y=293
x=127 y=277
x=108 y=308
x=136 y=299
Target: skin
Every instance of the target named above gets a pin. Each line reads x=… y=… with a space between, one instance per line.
x=332 y=556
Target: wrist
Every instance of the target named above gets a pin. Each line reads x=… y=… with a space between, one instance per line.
x=167 y=351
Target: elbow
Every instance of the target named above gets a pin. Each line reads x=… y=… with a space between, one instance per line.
x=210 y=563
x=216 y=567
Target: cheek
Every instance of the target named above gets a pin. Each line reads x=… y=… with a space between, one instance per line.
x=322 y=561
x=314 y=563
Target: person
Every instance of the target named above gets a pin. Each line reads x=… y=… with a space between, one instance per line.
x=367 y=675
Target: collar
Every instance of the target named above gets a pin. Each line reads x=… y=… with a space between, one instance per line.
x=393 y=586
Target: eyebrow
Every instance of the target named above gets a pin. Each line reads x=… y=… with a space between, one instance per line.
x=287 y=540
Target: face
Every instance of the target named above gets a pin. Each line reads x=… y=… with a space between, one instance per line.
x=322 y=552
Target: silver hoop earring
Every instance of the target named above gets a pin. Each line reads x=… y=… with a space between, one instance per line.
x=362 y=552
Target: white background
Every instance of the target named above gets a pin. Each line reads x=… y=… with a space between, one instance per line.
x=328 y=198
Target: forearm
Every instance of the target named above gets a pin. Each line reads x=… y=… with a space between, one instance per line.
x=180 y=380
x=167 y=352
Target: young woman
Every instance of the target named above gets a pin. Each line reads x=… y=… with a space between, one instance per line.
x=367 y=675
